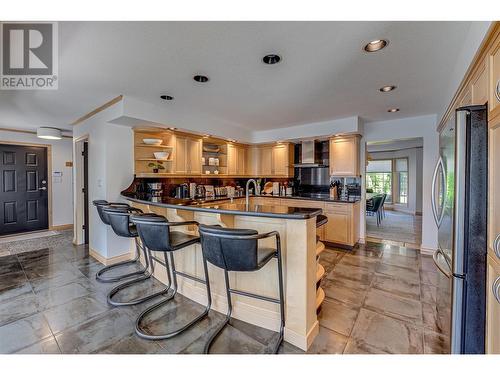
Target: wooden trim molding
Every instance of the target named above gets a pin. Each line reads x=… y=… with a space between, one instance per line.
x=61 y=227
x=108 y=261
x=476 y=61
x=97 y=110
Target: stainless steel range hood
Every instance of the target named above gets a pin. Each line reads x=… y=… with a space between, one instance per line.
x=308 y=156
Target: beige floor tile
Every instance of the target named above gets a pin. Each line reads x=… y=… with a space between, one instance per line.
x=344 y=271
x=360 y=347
x=347 y=291
x=386 y=334
x=431 y=319
x=394 y=306
x=397 y=286
x=430 y=278
x=427 y=264
x=328 y=342
x=400 y=261
x=399 y=272
x=428 y=293
x=338 y=317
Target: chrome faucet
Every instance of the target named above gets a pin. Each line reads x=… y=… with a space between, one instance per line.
x=248 y=190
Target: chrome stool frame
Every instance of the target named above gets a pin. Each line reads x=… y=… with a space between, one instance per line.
x=100 y=204
x=156 y=243
x=119 y=218
x=207 y=231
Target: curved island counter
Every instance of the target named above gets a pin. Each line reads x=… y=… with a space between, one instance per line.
x=297 y=228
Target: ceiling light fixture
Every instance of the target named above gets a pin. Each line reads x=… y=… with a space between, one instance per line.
x=166 y=97
x=392 y=110
x=206 y=135
x=271 y=59
x=48 y=133
x=387 y=88
x=200 y=78
x=172 y=128
x=376 y=45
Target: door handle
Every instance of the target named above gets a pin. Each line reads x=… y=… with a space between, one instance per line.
x=496 y=289
x=436 y=262
x=497 y=90
x=437 y=218
x=496 y=244
x=42 y=188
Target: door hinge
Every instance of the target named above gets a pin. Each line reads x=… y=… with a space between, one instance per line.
x=83 y=190
x=83 y=227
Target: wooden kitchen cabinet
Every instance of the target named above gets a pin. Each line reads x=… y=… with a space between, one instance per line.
x=343 y=223
x=479 y=85
x=344 y=156
x=187 y=155
x=266 y=161
x=493 y=307
x=236 y=160
x=280 y=162
x=494 y=78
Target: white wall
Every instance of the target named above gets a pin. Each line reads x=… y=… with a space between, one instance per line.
x=62 y=192
x=414 y=180
x=413 y=127
x=111 y=169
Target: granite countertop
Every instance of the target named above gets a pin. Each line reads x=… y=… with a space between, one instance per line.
x=237 y=207
x=315 y=197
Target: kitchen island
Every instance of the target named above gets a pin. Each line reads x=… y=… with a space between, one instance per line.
x=297 y=228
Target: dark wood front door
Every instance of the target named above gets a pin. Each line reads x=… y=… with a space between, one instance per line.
x=23 y=189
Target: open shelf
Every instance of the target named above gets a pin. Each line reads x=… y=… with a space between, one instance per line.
x=153 y=159
x=153 y=146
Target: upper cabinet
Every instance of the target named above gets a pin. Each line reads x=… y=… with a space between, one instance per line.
x=479 y=84
x=344 y=156
x=236 y=160
x=187 y=155
x=271 y=160
x=494 y=81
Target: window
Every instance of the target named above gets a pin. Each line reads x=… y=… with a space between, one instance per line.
x=379 y=177
x=389 y=176
x=401 y=177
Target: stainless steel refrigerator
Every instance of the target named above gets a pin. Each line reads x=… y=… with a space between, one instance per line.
x=459 y=203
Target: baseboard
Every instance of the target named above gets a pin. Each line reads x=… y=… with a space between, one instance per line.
x=61 y=227
x=108 y=261
x=426 y=250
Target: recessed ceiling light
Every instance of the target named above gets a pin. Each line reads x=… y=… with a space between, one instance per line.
x=48 y=133
x=166 y=97
x=271 y=59
x=387 y=88
x=376 y=45
x=232 y=140
x=200 y=78
x=206 y=135
x=172 y=128
x=392 y=110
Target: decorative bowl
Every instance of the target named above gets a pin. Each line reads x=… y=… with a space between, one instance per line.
x=153 y=141
x=163 y=155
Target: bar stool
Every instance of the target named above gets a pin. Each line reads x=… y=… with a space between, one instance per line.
x=100 y=205
x=156 y=235
x=119 y=218
x=238 y=250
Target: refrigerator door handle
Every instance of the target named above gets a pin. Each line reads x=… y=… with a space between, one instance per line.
x=438 y=218
x=496 y=243
x=436 y=262
x=496 y=289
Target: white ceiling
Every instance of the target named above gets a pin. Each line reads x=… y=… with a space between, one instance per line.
x=324 y=74
x=394 y=145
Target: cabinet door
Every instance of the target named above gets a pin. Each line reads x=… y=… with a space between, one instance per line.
x=266 y=161
x=493 y=308
x=337 y=227
x=242 y=161
x=181 y=165
x=479 y=85
x=194 y=156
x=253 y=161
x=344 y=156
x=232 y=159
x=494 y=69
x=494 y=188
x=280 y=161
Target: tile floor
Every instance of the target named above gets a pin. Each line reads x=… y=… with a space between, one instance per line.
x=396 y=226
x=380 y=299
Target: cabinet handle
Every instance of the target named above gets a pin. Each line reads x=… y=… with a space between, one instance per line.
x=496 y=288
x=496 y=244
x=497 y=91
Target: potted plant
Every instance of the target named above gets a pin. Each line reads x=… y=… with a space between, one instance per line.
x=156 y=166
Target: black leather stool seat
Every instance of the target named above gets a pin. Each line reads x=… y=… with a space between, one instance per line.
x=179 y=240
x=264 y=255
